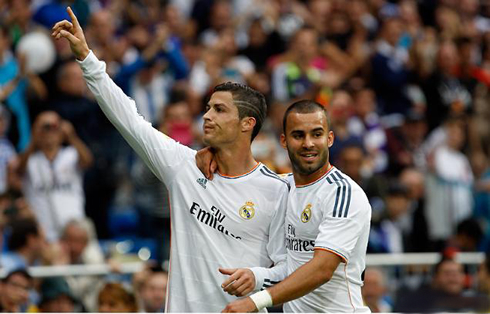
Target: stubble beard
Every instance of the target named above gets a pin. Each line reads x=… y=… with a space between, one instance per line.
x=307 y=169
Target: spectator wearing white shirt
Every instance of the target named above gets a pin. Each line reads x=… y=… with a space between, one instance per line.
x=52 y=174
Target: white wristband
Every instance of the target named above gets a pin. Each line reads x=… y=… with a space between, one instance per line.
x=262 y=299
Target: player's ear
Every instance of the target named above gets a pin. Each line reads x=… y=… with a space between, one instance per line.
x=331 y=138
x=248 y=124
x=283 y=141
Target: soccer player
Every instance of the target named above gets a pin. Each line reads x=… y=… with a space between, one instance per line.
x=234 y=221
x=327 y=225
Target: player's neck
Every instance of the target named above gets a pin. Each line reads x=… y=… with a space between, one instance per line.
x=302 y=179
x=235 y=162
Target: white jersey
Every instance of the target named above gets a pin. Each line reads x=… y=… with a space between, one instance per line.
x=54 y=190
x=331 y=214
x=229 y=222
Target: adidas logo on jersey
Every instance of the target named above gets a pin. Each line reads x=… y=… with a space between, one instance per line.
x=202 y=182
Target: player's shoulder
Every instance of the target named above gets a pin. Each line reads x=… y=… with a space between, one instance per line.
x=336 y=178
x=346 y=190
x=269 y=177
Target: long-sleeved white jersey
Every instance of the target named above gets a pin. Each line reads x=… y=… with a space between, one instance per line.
x=230 y=222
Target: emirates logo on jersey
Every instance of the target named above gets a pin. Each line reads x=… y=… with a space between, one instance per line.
x=247 y=211
x=306 y=214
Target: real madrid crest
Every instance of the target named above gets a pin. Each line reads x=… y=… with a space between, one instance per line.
x=306 y=214
x=247 y=211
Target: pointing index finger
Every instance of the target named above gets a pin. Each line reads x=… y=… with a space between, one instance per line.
x=74 y=19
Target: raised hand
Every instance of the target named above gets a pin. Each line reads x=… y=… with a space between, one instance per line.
x=68 y=130
x=240 y=283
x=206 y=163
x=74 y=34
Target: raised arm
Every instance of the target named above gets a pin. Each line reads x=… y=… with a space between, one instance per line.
x=85 y=158
x=158 y=151
x=305 y=279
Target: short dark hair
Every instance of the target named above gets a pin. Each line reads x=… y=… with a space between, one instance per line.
x=250 y=103
x=17 y=271
x=444 y=259
x=471 y=228
x=116 y=291
x=304 y=106
x=21 y=229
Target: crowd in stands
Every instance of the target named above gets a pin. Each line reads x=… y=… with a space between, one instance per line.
x=406 y=83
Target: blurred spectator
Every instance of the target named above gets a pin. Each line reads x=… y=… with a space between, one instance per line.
x=405 y=143
x=448 y=186
x=446 y=95
x=78 y=245
x=481 y=169
x=446 y=292
x=7 y=151
x=13 y=205
x=72 y=103
x=151 y=287
x=147 y=78
x=414 y=180
x=56 y=297
x=114 y=298
x=366 y=124
x=177 y=123
x=353 y=162
x=101 y=35
x=221 y=64
x=468 y=237
x=390 y=69
x=150 y=194
x=27 y=245
x=220 y=18
x=53 y=173
x=448 y=21
x=264 y=42
x=483 y=277
x=15 y=291
x=374 y=291
x=300 y=73
x=15 y=94
x=391 y=234
x=78 y=242
x=341 y=110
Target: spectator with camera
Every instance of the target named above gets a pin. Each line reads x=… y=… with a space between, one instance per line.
x=53 y=174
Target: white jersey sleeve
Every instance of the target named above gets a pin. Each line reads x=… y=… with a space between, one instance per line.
x=276 y=247
x=344 y=218
x=160 y=153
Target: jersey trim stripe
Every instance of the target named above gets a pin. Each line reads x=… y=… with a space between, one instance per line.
x=269 y=283
x=241 y=175
x=336 y=199
x=332 y=251
x=270 y=174
x=343 y=199
x=311 y=183
x=349 y=192
x=167 y=294
x=348 y=289
x=343 y=186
